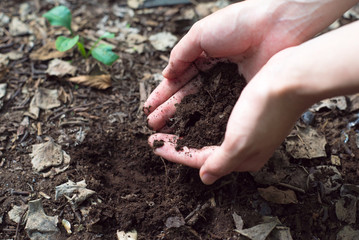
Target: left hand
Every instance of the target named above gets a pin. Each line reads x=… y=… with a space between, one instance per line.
x=262 y=117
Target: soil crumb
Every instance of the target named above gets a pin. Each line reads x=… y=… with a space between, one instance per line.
x=158 y=143
x=201 y=119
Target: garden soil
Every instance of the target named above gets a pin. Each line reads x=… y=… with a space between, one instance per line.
x=135 y=189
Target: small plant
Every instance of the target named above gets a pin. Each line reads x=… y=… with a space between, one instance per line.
x=61 y=16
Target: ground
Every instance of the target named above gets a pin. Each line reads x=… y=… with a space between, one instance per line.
x=104 y=132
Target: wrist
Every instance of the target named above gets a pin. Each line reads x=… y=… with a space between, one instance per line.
x=304 y=19
x=321 y=68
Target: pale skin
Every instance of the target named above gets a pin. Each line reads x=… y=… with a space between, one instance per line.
x=286 y=74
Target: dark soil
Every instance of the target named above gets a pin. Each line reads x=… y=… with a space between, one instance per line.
x=200 y=119
x=136 y=190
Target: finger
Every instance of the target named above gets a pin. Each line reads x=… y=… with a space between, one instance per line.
x=185 y=52
x=158 y=118
x=217 y=165
x=188 y=156
x=167 y=88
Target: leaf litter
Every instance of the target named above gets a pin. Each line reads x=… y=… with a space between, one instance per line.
x=108 y=158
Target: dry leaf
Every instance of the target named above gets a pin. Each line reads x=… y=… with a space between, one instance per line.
x=48 y=154
x=38 y=224
x=47 y=52
x=346 y=208
x=98 y=81
x=135 y=3
x=43 y=99
x=306 y=143
x=163 y=40
x=18 y=28
x=331 y=103
x=275 y=195
x=60 y=68
x=77 y=192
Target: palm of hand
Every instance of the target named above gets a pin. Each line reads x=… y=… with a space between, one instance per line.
x=232 y=33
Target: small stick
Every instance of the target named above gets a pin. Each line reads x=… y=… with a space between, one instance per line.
x=18 y=224
x=291 y=187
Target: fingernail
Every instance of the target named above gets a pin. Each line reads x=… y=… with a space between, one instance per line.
x=208 y=178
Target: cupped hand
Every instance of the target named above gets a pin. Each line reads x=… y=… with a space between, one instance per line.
x=248 y=33
x=260 y=120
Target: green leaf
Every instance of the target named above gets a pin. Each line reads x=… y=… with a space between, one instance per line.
x=107 y=35
x=59 y=16
x=104 y=54
x=63 y=43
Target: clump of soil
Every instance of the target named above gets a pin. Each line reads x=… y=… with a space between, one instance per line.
x=200 y=119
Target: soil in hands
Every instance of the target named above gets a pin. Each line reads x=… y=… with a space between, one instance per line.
x=201 y=118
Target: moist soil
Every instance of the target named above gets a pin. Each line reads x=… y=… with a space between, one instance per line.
x=200 y=119
x=135 y=189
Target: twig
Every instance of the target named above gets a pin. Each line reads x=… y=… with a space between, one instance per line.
x=291 y=187
x=18 y=224
x=73 y=122
x=23 y=193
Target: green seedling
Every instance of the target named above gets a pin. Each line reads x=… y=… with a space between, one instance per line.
x=61 y=16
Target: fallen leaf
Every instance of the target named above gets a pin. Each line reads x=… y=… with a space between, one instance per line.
x=48 y=154
x=43 y=99
x=306 y=143
x=135 y=43
x=349 y=189
x=174 y=222
x=329 y=176
x=18 y=28
x=97 y=81
x=346 y=208
x=121 y=12
x=4 y=19
x=238 y=221
x=354 y=102
x=60 y=68
x=258 y=232
x=4 y=60
x=275 y=195
x=16 y=212
x=39 y=225
x=332 y=103
x=163 y=41
x=205 y=9
x=347 y=233
x=15 y=55
x=77 y=192
x=281 y=233
x=135 y=3
x=47 y=52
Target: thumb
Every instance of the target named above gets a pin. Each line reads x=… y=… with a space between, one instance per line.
x=218 y=164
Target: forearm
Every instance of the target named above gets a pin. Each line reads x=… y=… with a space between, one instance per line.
x=303 y=19
x=326 y=66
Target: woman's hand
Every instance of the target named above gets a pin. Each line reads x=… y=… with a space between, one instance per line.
x=250 y=33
